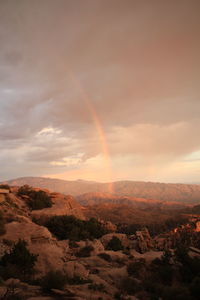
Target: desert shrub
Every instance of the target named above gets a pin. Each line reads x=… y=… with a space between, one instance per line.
x=162 y=272
x=189 y=266
x=69 y=227
x=178 y=293
x=105 y=256
x=77 y=280
x=18 y=263
x=53 y=280
x=97 y=287
x=85 y=251
x=135 y=268
x=4 y=186
x=130 y=286
x=2 y=224
x=114 y=244
x=37 y=199
x=195 y=287
x=24 y=190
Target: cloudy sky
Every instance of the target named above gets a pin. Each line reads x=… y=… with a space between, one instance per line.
x=100 y=89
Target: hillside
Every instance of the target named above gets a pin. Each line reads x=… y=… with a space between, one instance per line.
x=98 y=198
x=185 y=193
x=48 y=250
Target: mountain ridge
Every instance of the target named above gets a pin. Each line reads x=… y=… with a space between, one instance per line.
x=176 y=192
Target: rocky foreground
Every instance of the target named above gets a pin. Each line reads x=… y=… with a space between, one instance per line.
x=112 y=266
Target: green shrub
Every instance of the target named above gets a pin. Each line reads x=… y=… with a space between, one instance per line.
x=178 y=293
x=77 y=280
x=135 y=268
x=2 y=224
x=97 y=287
x=37 y=199
x=69 y=227
x=24 y=190
x=105 y=256
x=18 y=263
x=85 y=251
x=195 y=287
x=114 y=244
x=130 y=286
x=5 y=186
x=53 y=280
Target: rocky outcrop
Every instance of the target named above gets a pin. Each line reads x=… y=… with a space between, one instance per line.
x=75 y=269
x=62 y=205
x=51 y=254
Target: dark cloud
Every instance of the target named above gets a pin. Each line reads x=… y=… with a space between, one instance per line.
x=136 y=64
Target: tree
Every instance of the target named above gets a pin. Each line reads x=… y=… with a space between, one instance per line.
x=114 y=244
x=53 y=280
x=19 y=262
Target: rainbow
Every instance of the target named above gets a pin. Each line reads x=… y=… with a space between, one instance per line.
x=99 y=129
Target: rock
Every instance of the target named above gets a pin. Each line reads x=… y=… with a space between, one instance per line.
x=30 y=232
x=197 y=229
x=40 y=298
x=62 y=205
x=3 y=291
x=97 y=245
x=148 y=256
x=94 y=262
x=75 y=269
x=116 y=256
x=16 y=200
x=113 y=275
x=50 y=257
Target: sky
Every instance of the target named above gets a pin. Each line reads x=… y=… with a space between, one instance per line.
x=100 y=90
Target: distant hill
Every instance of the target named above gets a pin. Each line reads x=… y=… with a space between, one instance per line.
x=184 y=193
x=97 y=198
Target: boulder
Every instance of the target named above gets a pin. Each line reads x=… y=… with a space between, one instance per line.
x=113 y=275
x=29 y=232
x=50 y=257
x=75 y=269
x=97 y=245
x=62 y=205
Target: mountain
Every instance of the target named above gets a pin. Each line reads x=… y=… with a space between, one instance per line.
x=98 y=198
x=184 y=193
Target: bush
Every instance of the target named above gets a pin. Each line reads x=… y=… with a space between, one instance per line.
x=97 y=287
x=105 y=256
x=77 y=280
x=195 y=287
x=18 y=263
x=5 y=186
x=85 y=251
x=69 y=227
x=53 y=280
x=2 y=224
x=114 y=244
x=135 y=268
x=130 y=286
x=37 y=199
x=178 y=293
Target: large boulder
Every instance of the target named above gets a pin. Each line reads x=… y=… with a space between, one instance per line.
x=62 y=205
x=51 y=254
x=75 y=269
x=28 y=231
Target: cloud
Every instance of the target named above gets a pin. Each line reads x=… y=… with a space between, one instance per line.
x=136 y=64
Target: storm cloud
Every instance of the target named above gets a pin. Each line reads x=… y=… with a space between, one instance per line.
x=135 y=63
